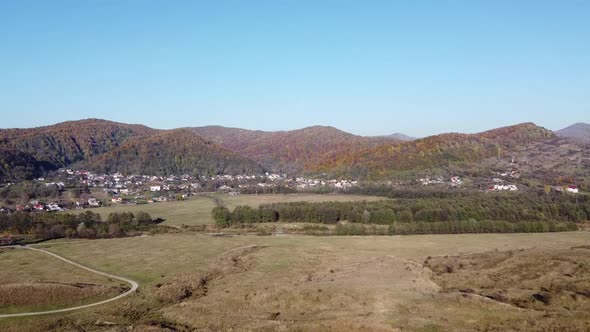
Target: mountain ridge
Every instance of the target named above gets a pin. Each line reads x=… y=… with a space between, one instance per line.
x=109 y=146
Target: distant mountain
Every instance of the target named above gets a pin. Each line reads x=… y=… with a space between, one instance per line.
x=579 y=132
x=400 y=137
x=289 y=151
x=435 y=151
x=177 y=151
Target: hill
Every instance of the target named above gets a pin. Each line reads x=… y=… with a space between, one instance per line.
x=579 y=132
x=66 y=143
x=290 y=151
x=105 y=146
x=176 y=151
x=435 y=151
x=400 y=137
x=16 y=165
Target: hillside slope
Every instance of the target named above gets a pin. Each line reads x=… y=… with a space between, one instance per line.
x=434 y=151
x=66 y=143
x=290 y=151
x=579 y=132
x=176 y=151
x=16 y=165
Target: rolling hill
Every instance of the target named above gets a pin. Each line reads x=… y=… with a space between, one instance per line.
x=579 y=132
x=66 y=143
x=290 y=151
x=108 y=147
x=435 y=151
x=176 y=151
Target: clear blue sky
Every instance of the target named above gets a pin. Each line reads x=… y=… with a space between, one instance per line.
x=367 y=67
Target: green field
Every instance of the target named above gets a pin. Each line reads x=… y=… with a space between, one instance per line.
x=194 y=211
x=197 y=210
x=256 y=200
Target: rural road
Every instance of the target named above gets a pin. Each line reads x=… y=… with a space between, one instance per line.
x=134 y=286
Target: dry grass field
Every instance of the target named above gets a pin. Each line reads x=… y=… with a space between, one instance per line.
x=32 y=281
x=304 y=283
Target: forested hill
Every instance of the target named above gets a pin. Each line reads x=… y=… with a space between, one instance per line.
x=105 y=146
x=16 y=165
x=69 y=142
x=434 y=151
x=177 y=151
x=290 y=151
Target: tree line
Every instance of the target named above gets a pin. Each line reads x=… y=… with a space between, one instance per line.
x=40 y=226
x=518 y=212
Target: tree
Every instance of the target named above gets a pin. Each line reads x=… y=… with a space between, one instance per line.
x=547 y=189
x=115 y=230
x=366 y=217
x=143 y=217
x=222 y=216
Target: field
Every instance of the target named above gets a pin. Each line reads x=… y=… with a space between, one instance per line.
x=256 y=200
x=197 y=210
x=193 y=281
x=31 y=281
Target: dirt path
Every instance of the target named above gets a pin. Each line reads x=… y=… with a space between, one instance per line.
x=134 y=286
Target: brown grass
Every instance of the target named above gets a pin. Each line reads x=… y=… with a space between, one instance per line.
x=314 y=283
x=31 y=281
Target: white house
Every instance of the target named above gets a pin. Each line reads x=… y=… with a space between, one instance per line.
x=155 y=188
x=93 y=202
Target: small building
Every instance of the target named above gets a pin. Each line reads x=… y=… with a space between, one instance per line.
x=155 y=188
x=93 y=202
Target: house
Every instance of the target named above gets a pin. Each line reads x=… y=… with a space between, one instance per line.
x=155 y=188
x=54 y=207
x=499 y=187
x=572 y=189
x=93 y=202
x=38 y=207
x=224 y=188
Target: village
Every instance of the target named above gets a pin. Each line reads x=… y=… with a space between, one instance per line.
x=98 y=190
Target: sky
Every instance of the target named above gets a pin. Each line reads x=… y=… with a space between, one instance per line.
x=368 y=67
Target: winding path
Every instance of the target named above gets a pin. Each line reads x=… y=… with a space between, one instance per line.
x=134 y=286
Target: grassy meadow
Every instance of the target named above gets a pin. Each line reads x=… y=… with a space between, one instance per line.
x=193 y=281
x=197 y=210
x=299 y=282
x=33 y=281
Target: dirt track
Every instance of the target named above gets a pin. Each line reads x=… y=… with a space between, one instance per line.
x=134 y=286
